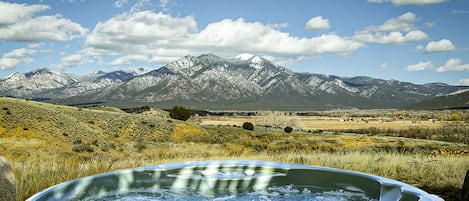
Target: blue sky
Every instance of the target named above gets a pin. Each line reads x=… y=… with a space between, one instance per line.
x=419 y=41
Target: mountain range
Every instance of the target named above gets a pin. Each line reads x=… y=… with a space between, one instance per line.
x=246 y=82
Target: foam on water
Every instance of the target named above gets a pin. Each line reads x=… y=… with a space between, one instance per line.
x=287 y=192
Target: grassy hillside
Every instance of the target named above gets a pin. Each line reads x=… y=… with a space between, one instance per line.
x=48 y=144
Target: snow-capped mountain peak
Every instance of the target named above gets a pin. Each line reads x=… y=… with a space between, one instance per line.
x=247 y=80
x=256 y=61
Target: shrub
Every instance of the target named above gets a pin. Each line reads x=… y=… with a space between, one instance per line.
x=180 y=113
x=82 y=147
x=105 y=148
x=278 y=119
x=248 y=126
x=140 y=146
x=288 y=129
x=77 y=141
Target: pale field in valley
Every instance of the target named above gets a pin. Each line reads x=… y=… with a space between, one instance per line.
x=325 y=123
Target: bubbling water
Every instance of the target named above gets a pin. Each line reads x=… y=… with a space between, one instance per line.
x=275 y=193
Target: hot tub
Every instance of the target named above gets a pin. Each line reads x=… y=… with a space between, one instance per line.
x=233 y=180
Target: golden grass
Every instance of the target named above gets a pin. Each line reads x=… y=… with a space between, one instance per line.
x=326 y=123
x=37 y=139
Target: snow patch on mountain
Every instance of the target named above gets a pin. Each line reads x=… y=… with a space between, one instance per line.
x=459 y=92
x=257 y=62
x=369 y=92
x=342 y=85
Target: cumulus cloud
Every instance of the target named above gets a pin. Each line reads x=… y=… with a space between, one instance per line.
x=19 y=56
x=409 y=2
x=241 y=36
x=395 y=38
x=317 y=23
x=394 y=31
x=404 y=22
x=18 y=24
x=137 y=32
x=443 y=45
x=12 y=13
x=416 y=2
x=163 y=37
x=453 y=64
x=71 y=60
x=128 y=59
x=428 y=65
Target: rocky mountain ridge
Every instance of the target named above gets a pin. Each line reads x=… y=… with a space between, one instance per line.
x=44 y=84
x=208 y=81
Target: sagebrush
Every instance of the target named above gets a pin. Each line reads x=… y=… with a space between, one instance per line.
x=278 y=119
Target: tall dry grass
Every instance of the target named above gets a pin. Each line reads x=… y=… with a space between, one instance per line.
x=38 y=140
x=419 y=170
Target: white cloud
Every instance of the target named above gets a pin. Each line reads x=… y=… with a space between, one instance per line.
x=19 y=56
x=240 y=36
x=409 y=2
x=164 y=3
x=278 y=25
x=120 y=3
x=405 y=23
x=140 y=5
x=390 y=38
x=457 y=12
x=317 y=23
x=416 y=2
x=378 y=1
x=394 y=31
x=383 y=65
x=419 y=48
x=71 y=60
x=128 y=59
x=443 y=45
x=163 y=59
x=138 y=32
x=12 y=13
x=421 y=66
x=164 y=37
x=430 y=24
x=453 y=64
x=464 y=81
x=22 y=26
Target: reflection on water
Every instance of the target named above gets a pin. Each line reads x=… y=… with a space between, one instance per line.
x=286 y=192
x=231 y=180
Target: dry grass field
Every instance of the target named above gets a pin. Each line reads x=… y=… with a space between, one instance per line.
x=47 y=144
x=326 y=123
